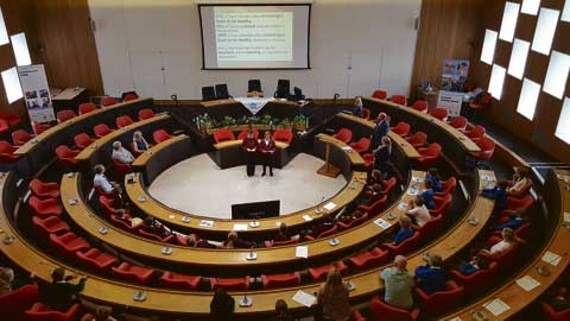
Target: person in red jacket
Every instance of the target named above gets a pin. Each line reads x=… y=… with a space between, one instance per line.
x=249 y=146
x=267 y=149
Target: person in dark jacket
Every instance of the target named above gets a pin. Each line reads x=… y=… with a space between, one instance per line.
x=431 y=277
x=222 y=306
x=60 y=294
x=382 y=155
x=382 y=128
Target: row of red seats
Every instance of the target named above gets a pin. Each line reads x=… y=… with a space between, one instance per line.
x=226 y=134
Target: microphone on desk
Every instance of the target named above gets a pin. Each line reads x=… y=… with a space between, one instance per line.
x=175 y=98
x=336 y=96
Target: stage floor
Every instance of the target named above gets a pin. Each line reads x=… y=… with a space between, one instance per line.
x=199 y=187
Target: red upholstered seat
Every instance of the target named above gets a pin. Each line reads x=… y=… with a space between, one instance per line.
x=442 y=205
x=362 y=145
x=50 y=225
x=64 y=115
x=13 y=119
x=223 y=134
x=419 y=139
x=82 y=140
x=280 y=280
x=271 y=243
x=517 y=204
x=86 y=108
x=523 y=191
x=420 y=105
x=66 y=155
x=121 y=168
x=375 y=207
x=432 y=227
x=283 y=135
x=448 y=186
x=4 y=126
x=108 y=101
x=44 y=208
x=487 y=146
x=7 y=152
x=357 y=316
x=429 y=155
x=399 y=99
x=40 y=312
x=156 y=237
x=381 y=311
x=14 y=303
x=380 y=94
x=243 y=134
x=108 y=205
x=101 y=130
x=320 y=273
x=405 y=246
x=481 y=102
x=160 y=135
x=180 y=281
x=476 y=133
x=96 y=259
x=124 y=224
x=344 y=135
x=552 y=315
x=234 y=284
x=145 y=113
x=478 y=281
x=369 y=259
x=123 y=121
x=439 y=113
x=389 y=185
x=133 y=273
x=459 y=122
x=44 y=189
x=401 y=129
x=343 y=226
x=68 y=243
x=130 y=96
x=366 y=113
x=505 y=260
x=442 y=301
x=39 y=128
x=20 y=137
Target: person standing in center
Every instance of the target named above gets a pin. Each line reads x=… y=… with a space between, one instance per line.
x=249 y=145
x=267 y=149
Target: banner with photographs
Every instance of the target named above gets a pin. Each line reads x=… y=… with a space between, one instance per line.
x=36 y=93
x=454 y=75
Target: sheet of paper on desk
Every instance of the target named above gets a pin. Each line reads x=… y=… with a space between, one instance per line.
x=329 y=206
x=383 y=224
x=496 y=307
x=302 y=252
x=566 y=217
x=551 y=258
x=346 y=148
x=307 y=218
x=304 y=298
x=240 y=227
x=206 y=223
x=527 y=283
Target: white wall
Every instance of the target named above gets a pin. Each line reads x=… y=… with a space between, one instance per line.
x=154 y=47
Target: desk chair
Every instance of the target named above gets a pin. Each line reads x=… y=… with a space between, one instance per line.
x=283 y=88
x=254 y=85
x=208 y=93
x=222 y=91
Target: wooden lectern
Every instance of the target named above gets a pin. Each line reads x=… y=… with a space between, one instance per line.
x=328 y=169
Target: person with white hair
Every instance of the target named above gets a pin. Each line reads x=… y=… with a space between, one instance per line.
x=121 y=154
x=6 y=280
x=398 y=284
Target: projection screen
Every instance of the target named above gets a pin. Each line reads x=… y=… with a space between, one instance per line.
x=256 y=36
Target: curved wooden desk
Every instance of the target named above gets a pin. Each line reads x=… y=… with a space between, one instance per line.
x=85 y=218
x=511 y=294
x=136 y=190
x=407 y=148
x=102 y=290
x=464 y=141
x=89 y=153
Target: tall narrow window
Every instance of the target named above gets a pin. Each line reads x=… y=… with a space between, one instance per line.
x=3 y=32
x=12 y=84
x=489 y=44
x=496 y=82
x=566 y=12
x=20 y=47
x=530 y=7
x=528 y=99
x=519 y=55
x=563 y=128
x=545 y=29
x=509 y=23
x=557 y=74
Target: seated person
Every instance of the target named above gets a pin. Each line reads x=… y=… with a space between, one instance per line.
x=121 y=154
x=282 y=233
x=376 y=177
x=398 y=284
x=431 y=276
x=406 y=231
x=102 y=313
x=303 y=235
x=560 y=300
x=475 y=264
x=498 y=193
x=101 y=182
x=349 y=218
x=127 y=218
x=222 y=306
x=6 y=280
x=372 y=193
x=515 y=220
x=234 y=242
x=433 y=177
x=428 y=194
x=418 y=211
x=322 y=226
x=508 y=243
x=358 y=109
x=139 y=143
x=194 y=241
x=60 y=294
x=152 y=225
x=521 y=178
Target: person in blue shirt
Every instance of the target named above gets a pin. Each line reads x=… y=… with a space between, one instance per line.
x=515 y=221
x=382 y=128
x=475 y=264
x=406 y=231
x=499 y=194
x=433 y=177
x=358 y=109
x=431 y=277
x=427 y=195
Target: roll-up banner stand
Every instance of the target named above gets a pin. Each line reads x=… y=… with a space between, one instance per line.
x=36 y=93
